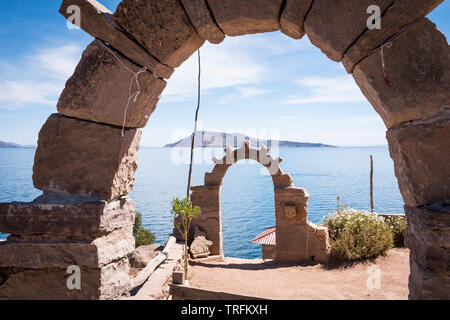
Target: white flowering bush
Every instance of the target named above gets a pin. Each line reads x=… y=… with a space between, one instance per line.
x=357 y=234
x=397 y=224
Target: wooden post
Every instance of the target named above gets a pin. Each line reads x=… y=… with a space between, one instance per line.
x=372 y=209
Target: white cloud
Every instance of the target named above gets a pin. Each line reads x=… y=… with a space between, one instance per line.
x=223 y=66
x=37 y=79
x=326 y=90
x=19 y=93
x=241 y=93
x=61 y=61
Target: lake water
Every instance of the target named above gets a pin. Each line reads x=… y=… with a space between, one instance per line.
x=247 y=193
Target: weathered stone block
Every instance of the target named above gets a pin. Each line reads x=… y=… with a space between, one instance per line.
x=106 y=283
x=283 y=180
x=301 y=243
x=199 y=248
x=428 y=235
x=100 y=87
x=420 y=78
x=162 y=27
x=98 y=22
x=288 y=198
x=427 y=283
x=144 y=254
x=85 y=158
x=237 y=18
x=37 y=252
x=206 y=197
x=421 y=159
x=66 y=216
x=293 y=18
x=399 y=15
x=202 y=19
x=333 y=26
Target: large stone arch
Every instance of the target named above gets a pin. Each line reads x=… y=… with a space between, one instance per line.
x=85 y=161
x=297 y=239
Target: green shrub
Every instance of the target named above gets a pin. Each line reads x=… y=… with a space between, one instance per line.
x=357 y=235
x=142 y=236
x=397 y=224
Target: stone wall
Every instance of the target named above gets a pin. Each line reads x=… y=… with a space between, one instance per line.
x=53 y=233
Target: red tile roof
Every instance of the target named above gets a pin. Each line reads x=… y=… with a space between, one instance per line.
x=266 y=237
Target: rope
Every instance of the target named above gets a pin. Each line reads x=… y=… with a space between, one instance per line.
x=132 y=96
x=195 y=124
x=383 y=66
x=387 y=44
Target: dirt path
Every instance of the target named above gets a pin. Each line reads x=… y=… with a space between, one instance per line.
x=256 y=278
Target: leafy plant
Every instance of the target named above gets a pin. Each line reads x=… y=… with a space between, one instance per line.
x=397 y=224
x=142 y=236
x=357 y=234
x=183 y=213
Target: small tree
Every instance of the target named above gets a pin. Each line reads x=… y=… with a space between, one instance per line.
x=183 y=213
x=142 y=236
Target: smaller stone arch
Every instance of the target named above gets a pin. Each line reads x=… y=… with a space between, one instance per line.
x=245 y=152
x=297 y=239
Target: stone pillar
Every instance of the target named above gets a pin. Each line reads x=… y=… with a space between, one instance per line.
x=83 y=222
x=297 y=240
x=210 y=222
x=428 y=237
x=413 y=103
x=56 y=239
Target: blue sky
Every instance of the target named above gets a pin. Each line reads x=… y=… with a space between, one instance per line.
x=266 y=84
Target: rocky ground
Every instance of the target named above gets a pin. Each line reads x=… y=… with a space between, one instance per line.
x=268 y=280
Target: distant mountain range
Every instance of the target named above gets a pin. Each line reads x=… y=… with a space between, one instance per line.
x=4 y=144
x=208 y=139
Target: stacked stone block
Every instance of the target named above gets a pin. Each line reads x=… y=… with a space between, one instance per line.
x=412 y=99
x=53 y=234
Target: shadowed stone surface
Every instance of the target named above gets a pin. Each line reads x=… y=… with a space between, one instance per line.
x=237 y=18
x=396 y=18
x=333 y=26
x=209 y=222
x=162 y=27
x=106 y=283
x=202 y=19
x=98 y=22
x=428 y=237
x=47 y=215
x=420 y=78
x=293 y=18
x=420 y=150
x=85 y=158
x=99 y=89
x=297 y=239
x=199 y=248
x=43 y=251
x=292 y=198
x=140 y=257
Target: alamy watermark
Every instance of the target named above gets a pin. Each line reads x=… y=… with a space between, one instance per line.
x=374 y=21
x=374 y=280
x=74 y=280
x=74 y=20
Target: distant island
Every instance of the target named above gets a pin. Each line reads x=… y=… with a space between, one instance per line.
x=209 y=139
x=4 y=144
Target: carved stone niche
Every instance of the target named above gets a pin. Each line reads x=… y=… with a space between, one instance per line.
x=291 y=205
x=290 y=212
